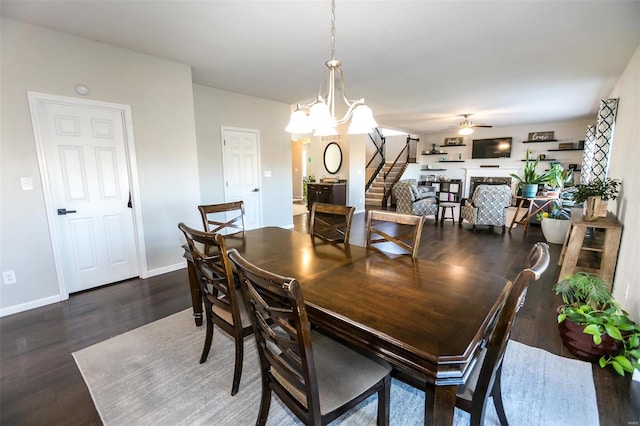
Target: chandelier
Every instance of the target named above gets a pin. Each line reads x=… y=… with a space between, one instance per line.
x=319 y=116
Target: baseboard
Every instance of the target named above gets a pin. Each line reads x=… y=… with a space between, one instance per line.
x=166 y=269
x=29 y=305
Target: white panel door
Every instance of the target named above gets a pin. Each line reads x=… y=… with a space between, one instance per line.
x=86 y=167
x=242 y=172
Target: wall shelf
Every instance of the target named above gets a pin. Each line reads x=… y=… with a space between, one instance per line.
x=452 y=146
x=434 y=153
x=567 y=149
x=546 y=159
x=451 y=161
x=550 y=140
x=433 y=170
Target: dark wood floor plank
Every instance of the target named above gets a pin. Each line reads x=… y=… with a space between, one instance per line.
x=40 y=383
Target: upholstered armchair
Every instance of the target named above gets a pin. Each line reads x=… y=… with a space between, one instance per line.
x=410 y=199
x=488 y=206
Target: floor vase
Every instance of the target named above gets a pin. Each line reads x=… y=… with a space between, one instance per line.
x=554 y=230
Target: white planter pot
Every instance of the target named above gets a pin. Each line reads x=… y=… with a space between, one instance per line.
x=554 y=230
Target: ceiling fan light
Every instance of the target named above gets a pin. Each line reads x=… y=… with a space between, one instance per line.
x=299 y=123
x=362 y=121
x=465 y=131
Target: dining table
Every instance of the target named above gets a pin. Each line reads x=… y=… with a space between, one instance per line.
x=428 y=319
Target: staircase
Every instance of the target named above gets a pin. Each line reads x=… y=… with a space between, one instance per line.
x=375 y=195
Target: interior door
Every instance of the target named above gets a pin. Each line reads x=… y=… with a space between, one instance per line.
x=86 y=167
x=242 y=171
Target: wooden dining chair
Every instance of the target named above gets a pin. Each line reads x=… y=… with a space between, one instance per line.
x=484 y=380
x=316 y=377
x=212 y=214
x=379 y=231
x=223 y=302
x=331 y=222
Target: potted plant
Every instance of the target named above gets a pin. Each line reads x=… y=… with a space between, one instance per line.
x=554 y=224
x=594 y=327
x=530 y=178
x=595 y=195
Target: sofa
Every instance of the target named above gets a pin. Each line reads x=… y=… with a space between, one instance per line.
x=414 y=199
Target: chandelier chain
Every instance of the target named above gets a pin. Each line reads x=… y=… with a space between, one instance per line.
x=333 y=29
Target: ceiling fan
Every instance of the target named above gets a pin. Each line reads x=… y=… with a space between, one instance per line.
x=466 y=127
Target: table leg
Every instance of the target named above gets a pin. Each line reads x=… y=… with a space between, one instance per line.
x=439 y=405
x=534 y=212
x=564 y=244
x=515 y=216
x=573 y=250
x=196 y=297
x=610 y=254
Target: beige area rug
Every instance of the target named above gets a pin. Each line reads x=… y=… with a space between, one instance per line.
x=151 y=376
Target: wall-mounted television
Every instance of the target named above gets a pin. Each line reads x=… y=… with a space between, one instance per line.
x=491 y=148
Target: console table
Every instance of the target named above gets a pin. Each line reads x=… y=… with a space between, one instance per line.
x=575 y=243
x=533 y=209
x=330 y=193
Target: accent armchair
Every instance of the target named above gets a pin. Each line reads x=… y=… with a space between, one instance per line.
x=420 y=201
x=488 y=206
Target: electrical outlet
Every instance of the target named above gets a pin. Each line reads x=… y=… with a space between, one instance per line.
x=626 y=292
x=9 y=277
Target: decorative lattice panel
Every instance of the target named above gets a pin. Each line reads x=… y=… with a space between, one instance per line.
x=587 y=156
x=599 y=167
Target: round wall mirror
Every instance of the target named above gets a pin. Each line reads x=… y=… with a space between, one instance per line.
x=332 y=158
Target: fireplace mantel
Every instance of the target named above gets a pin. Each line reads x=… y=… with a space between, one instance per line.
x=470 y=172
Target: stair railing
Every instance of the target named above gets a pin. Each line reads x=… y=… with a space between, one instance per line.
x=380 y=150
x=387 y=184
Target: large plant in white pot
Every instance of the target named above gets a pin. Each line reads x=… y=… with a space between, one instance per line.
x=554 y=224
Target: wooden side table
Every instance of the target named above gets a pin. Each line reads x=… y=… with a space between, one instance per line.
x=442 y=207
x=531 y=211
x=575 y=243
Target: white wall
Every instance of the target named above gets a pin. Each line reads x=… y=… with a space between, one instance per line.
x=624 y=165
x=569 y=131
x=160 y=95
x=215 y=108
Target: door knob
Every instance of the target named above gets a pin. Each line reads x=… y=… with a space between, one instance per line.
x=255 y=190
x=62 y=212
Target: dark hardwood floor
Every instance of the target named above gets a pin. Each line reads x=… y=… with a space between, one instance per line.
x=40 y=383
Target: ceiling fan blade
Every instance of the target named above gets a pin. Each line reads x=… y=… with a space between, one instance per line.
x=481 y=125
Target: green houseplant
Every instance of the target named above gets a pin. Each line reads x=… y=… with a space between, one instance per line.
x=530 y=177
x=605 y=189
x=595 y=195
x=593 y=326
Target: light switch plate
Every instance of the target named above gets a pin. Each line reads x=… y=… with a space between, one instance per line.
x=26 y=183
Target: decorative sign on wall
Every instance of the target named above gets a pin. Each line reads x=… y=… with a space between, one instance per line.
x=453 y=141
x=541 y=136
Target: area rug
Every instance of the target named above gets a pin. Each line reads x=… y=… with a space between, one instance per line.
x=151 y=376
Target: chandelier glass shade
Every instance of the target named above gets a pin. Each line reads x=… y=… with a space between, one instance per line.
x=319 y=116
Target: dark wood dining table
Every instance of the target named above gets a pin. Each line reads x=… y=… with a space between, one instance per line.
x=428 y=319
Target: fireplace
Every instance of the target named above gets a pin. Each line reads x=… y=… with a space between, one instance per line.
x=487 y=175
x=487 y=180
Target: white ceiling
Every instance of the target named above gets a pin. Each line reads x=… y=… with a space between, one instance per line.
x=417 y=63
